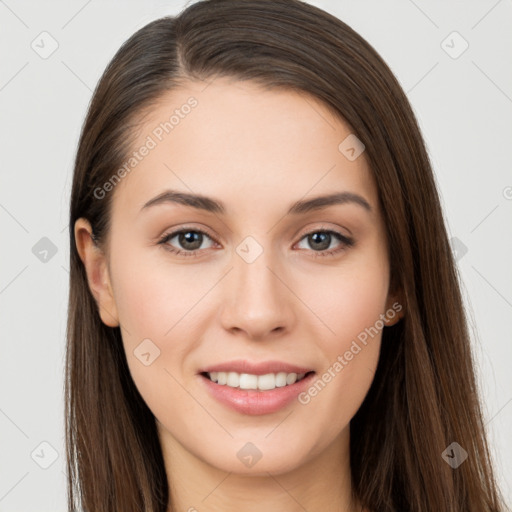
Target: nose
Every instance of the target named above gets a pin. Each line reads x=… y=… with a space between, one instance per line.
x=256 y=300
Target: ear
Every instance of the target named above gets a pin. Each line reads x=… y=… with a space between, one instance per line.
x=95 y=263
x=395 y=309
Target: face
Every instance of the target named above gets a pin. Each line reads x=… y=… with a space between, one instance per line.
x=254 y=286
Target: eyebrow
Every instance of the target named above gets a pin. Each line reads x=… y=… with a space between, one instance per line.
x=209 y=204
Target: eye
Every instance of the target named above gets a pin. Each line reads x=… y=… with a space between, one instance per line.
x=188 y=241
x=320 y=241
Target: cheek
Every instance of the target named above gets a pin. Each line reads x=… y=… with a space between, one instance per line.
x=350 y=303
x=152 y=297
x=162 y=303
x=358 y=306
x=152 y=302
x=348 y=300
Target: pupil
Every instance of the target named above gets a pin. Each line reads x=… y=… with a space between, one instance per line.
x=321 y=241
x=190 y=237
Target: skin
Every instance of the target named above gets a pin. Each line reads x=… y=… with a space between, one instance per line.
x=255 y=150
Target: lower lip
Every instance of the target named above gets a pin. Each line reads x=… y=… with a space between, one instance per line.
x=254 y=402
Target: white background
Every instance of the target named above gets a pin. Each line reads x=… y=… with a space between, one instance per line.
x=464 y=107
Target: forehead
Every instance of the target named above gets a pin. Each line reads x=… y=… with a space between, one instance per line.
x=243 y=143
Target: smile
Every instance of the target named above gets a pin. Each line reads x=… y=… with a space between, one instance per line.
x=250 y=381
x=252 y=388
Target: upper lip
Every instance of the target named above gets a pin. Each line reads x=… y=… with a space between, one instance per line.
x=254 y=368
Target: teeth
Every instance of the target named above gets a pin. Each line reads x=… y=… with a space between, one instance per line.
x=249 y=381
x=233 y=380
x=280 y=380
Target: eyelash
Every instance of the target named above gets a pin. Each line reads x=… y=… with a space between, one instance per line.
x=345 y=242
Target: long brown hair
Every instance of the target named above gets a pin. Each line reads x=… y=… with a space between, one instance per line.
x=424 y=394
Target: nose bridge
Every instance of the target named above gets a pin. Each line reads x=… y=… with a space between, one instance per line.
x=255 y=280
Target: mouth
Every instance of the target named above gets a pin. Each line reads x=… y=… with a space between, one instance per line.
x=256 y=388
x=246 y=381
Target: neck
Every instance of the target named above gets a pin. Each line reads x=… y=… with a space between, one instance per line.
x=322 y=483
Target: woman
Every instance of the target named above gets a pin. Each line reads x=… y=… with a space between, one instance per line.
x=264 y=309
